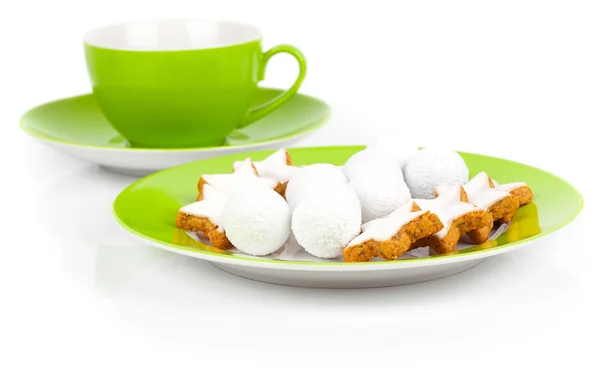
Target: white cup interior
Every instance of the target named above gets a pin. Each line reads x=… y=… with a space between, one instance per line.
x=171 y=35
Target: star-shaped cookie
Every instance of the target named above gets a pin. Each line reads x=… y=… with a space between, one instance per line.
x=277 y=166
x=457 y=216
x=500 y=200
x=205 y=216
x=245 y=175
x=391 y=236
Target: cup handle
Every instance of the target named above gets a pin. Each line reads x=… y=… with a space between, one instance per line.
x=265 y=108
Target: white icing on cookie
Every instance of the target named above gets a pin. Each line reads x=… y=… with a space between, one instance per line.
x=440 y=190
x=481 y=194
x=243 y=176
x=273 y=167
x=382 y=229
x=211 y=206
x=509 y=187
x=448 y=207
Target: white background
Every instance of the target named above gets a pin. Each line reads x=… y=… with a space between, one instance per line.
x=516 y=79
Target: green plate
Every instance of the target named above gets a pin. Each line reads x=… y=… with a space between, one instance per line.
x=148 y=208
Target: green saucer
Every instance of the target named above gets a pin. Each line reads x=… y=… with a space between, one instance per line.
x=76 y=126
x=78 y=120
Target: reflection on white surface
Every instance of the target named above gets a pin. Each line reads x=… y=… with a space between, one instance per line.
x=196 y=292
x=79 y=206
x=96 y=253
x=116 y=266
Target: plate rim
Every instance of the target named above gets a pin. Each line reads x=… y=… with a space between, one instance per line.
x=336 y=266
x=327 y=266
x=47 y=138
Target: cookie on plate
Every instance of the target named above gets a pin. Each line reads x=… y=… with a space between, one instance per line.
x=244 y=176
x=205 y=216
x=391 y=236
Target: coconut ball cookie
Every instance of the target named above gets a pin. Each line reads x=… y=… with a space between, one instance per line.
x=325 y=221
x=256 y=220
x=365 y=160
x=380 y=190
x=401 y=153
x=433 y=167
x=309 y=178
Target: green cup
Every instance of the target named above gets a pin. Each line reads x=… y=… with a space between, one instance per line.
x=178 y=83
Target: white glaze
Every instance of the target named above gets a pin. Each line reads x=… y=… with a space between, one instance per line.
x=273 y=167
x=440 y=190
x=244 y=176
x=481 y=194
x=509 y=187
x=211 y=206
x=382 y=229
x=448 y=207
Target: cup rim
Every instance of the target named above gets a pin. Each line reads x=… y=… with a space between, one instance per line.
x=90 y=35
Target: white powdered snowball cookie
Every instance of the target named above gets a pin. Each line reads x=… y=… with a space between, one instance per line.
x=257 y=220
x=380 y=190
x=433 y=167
x=312 y=178
x=399 y=151
x=326 y=221
x=365 y=160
